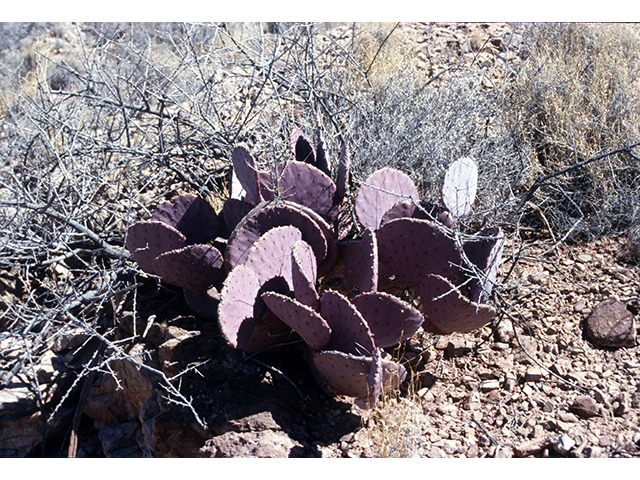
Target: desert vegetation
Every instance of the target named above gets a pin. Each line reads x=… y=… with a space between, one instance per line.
x=104 y=125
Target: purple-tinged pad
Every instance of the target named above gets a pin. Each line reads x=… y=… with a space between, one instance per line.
x=422 y=211
x=304 y=274
x=263 y=218
x=205 y=305
x=448 y=310
x=270 y=255
x=147 y=240
x=381 y=191
x=346 y=374
x=485 y=252
x=390 y=319
x=244 y=166
x=411 y=248
x=236 y=312
x=302 y=183
x=459 y=186
x=322 y=159
x=360 y=259
x=236 y=192
x=374 y=382
x=192 y=216
x=301 y=148
x=393 y=374
x=349 y=331
x=342 y=179
x=331 y=257
x=307 y=323
x=233 y=211
x=195 y=267
x=343 y=224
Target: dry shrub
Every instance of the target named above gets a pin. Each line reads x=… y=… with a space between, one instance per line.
x=576 y=96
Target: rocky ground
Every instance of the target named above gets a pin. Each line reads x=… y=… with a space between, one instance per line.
x=557 y=374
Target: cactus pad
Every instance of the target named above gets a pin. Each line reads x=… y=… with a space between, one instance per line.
x=270 y=255
x=304 y=275
x=147 y=240
x=233 y=211
x=485 y=252
x=423 y=211
x=459 y=186
x=265 y=217
x=204 y=305
x=244 y=166
x=379 y=192
x=313 y=329
x=390 y=319
x=195 y=268
x=361 y=261
x=342 y=178
x=190 y=215
x=410 y=248
x=349 y=331
x=301 y=148
x=322 y=159
x=449 y=311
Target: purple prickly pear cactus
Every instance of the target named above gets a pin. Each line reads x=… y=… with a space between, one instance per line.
x=360 y=259
x=270 y=255
x=147 y=240
x=204 y=305
x=459 y=186
x=301 y=148
x=244 y=167
x=485 y=252
x=349 y=331
x=190 y=215
x=301 y=183
x=422 y=211
x=448 y=310
x=307 y=323
x=342 y=178
x=345 y=373
x=381 y=191
x=390 y=319
x=322 y=159
x=233 y=211
x=410 y=248
x=304 y=274
x=195 y=268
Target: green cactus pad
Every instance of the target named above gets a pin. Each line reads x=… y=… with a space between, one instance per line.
x=390 y=319
x=448 y=310
x=349 y=331
x=360 y=259
x=195 y=267
x=459 y=186
x=308 y=323
x=147 y=240
x=381 y=191
x=410 y=248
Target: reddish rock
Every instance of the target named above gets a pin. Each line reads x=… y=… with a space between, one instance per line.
x=610 y=324
x=585 y=406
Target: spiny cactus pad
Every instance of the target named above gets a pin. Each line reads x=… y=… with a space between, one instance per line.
x=390 y=319
x=423 y=211
x=459 y=186
x=301 y=148
x=233 y=211
x=270 y=255
x=304 y=275
x=190 y=215
x=147 y=240
x=308 y=323
x=266 y=216
x=485 y=252
x=244 y=166
x=322 y=158
x=360 y=259
x=342 y=177
x=444 y=306
x=304 y=184
x=195 y=268
x=411 y=248
x=381 y=191
x=349 y=331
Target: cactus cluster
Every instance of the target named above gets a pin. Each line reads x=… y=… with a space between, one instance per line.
x=287 y=243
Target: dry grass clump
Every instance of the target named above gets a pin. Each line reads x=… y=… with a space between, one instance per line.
x=576 y=96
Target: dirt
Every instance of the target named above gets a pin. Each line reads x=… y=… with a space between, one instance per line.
x=530 y=384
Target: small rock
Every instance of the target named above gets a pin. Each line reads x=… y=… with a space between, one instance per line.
x=533 y=374
x=532 y=447
x=563 y=444
x=567 y=417
x=610 y=324
x=585 y=406
x=436 y=452
x=593 y=452
x=489 y=385
x=457 y=347
x=504 y=331
x=472 y=402
x=621 y=404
